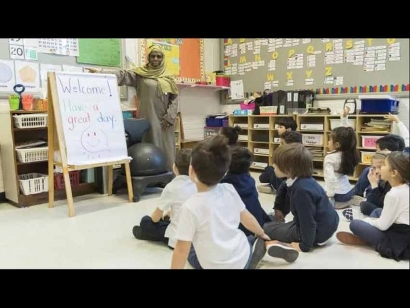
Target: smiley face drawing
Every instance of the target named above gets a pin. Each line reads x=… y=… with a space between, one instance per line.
x=94 y=140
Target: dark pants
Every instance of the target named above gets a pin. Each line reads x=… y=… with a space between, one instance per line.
x=367 y=208
x=269 y=176
x=362 y=183
x=366 y=231
x=193 y=259
x=344 y=197
x=154 y=231
x=286 y=232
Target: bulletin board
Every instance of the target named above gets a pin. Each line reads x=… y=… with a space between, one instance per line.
x=184 y=57
x=20 y=62
x=104 y=52
x=326 y=66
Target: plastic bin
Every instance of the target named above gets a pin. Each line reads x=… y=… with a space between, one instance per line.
x=33 y=183
x=32 y=155
x=369 y=142
x=334 y=123
x=33 y=120
x=211 y=131
x=367 y=156
x=59 y=179
x=378 y=104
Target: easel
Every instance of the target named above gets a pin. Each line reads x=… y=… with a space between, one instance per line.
x=57 y=142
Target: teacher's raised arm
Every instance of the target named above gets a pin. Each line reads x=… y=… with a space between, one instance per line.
x=124 y=77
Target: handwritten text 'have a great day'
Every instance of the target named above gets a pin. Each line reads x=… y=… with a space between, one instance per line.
x=84 y=110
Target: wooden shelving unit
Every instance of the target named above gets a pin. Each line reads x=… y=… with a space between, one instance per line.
x=266 y=138
x=12 y=168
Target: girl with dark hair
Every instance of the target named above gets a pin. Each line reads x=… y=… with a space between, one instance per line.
x=231 y=133
x=339 y=163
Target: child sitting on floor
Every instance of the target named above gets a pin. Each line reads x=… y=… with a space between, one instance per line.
x=384 y=145
x=388 y=231
x=339 y=163
x=281 y=206
x=285 y=124
x=314 y=218
x=180 y=189
x=238 y=176
x=231 y=133
x=208 y=234
x=268 y=175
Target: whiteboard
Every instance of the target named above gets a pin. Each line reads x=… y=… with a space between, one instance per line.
x=91 y=118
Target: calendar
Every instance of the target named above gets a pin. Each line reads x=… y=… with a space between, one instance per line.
x=64 y=47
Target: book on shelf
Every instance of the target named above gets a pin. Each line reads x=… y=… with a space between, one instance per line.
x=379 y=125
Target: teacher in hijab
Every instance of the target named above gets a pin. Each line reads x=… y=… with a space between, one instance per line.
x=157 y=100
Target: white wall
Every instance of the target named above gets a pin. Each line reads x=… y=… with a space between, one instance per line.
x=196 y=103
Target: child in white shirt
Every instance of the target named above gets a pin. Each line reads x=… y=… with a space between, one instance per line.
x=208 y=234
x=388 y=231
x=180 y=189
x=339 y=163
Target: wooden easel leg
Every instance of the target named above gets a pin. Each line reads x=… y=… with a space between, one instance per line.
x=110 y=179
x=69 y=193
x=129 y=182
x=50 y=137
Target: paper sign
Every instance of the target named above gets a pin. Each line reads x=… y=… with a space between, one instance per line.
x=16 y=52
x=237 y=89
x=28 y=74
x=30 y=54
x=7 y=76
x=91 y=118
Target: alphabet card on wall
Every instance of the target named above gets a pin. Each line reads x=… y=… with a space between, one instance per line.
x=85 y=112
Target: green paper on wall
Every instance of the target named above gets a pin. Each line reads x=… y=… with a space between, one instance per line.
x=105 y=52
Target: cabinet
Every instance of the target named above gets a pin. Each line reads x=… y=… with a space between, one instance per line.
x=260 y=136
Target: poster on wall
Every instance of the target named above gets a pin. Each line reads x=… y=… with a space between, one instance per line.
x=171 y=52
x=28 y=74
x=7 y=76
x=185 y=57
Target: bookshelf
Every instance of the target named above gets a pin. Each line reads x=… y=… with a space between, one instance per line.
x=260 y=136
x=13 y=168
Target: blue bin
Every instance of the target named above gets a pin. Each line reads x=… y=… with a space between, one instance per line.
x=215 y=120
x=379 y=105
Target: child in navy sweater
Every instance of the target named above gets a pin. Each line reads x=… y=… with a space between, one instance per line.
x=315 y=220
x=238 y=176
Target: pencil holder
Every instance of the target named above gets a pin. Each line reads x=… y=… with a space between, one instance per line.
x=14 y=102
x=27 y=101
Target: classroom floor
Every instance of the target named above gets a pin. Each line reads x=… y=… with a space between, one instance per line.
x=100 y=237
